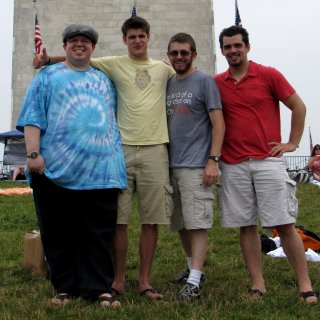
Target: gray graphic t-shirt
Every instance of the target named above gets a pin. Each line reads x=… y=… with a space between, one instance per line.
x=189 y=102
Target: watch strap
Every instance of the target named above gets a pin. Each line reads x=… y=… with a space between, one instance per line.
x=214 y=158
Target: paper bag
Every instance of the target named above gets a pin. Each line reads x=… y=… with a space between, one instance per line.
x=34 y=259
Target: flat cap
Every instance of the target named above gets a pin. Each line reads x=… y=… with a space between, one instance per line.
x=80 y=29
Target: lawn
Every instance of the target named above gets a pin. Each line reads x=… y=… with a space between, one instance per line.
x=24 y=296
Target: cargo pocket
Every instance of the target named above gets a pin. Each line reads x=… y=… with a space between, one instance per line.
x=168 y=198
x=203 y=205
x=292 y=201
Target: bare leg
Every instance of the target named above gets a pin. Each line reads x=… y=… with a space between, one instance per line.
x=185 y=241
x=119 y=255
x=199 y=246
x=147 y=248
x=294 y=250
x=251 y=250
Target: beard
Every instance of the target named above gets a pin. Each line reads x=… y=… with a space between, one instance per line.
x=186 y=68
x=235 y=62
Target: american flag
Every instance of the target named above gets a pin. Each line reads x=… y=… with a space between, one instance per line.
x=238 y=19
x=134 y=11
x=311 y=144
x=37 y=35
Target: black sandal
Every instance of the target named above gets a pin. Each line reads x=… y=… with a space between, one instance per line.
x=305 y=295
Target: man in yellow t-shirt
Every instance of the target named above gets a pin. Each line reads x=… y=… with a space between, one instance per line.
x=141 y=115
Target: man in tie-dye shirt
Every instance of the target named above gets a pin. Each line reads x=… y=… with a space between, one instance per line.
x=76 y=167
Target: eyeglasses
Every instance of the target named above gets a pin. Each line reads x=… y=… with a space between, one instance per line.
x=183 y=53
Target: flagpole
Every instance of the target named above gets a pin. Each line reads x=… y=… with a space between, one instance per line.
x=310 y=141
x=34 y=29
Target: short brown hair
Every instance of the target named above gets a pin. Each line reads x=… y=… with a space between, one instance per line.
x=135 y=23
x=183 y=38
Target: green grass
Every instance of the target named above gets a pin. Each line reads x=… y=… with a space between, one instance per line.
x=24 y=296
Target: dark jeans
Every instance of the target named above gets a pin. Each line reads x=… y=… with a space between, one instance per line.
x=77 y=230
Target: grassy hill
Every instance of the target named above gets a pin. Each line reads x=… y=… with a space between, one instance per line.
x=24 y=296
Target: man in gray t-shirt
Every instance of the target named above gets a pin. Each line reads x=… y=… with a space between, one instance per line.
x=196 y=131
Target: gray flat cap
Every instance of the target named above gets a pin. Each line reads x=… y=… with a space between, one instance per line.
x=80 y=29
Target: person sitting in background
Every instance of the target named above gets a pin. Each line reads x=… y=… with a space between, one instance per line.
x=314 y=162
x=18 y=173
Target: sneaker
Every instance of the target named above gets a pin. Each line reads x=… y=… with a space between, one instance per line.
x=189 y=292
x=183 y=277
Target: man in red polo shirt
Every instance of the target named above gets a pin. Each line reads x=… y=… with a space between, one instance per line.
x=255 y=186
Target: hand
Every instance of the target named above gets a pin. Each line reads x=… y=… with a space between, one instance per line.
x=36 y=165
x=279 y=149
x=211 y=173
x=40 y=59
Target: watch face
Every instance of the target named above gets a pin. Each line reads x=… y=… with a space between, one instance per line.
x=33 y=155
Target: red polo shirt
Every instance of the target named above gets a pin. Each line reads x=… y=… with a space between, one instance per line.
x=251 y=111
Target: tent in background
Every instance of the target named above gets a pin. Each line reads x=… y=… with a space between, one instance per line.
x=14 y=148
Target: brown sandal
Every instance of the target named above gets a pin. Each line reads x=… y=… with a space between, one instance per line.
x=106 y=300
x=61 y=299
x=151 y=291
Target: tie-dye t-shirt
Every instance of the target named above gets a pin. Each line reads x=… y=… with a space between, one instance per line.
x=80 y=141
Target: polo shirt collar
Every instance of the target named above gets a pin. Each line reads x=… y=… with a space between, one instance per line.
x=252 y=71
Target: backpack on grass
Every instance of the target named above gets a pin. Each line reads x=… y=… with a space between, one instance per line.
x=302 y=176
x=310 y=239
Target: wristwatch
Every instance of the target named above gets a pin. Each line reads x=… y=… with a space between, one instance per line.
x=33 y=155
x=214 y=158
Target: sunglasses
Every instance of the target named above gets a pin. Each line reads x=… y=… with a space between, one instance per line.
x=183 y=53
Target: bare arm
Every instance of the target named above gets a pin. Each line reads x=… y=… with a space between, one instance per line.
x=42 y=59
x=316 y=176
x=298 y=109
x=32 y=139
x=211 y=171
x=311 y=162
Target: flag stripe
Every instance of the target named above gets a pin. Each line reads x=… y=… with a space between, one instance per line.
x=37 y=35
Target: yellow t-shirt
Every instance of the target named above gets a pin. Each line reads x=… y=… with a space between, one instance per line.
x=141 y=88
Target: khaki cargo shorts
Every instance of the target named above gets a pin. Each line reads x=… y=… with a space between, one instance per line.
x=193 y=203
x=148 y=179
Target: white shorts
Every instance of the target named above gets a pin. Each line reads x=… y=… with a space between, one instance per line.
x=256 y=190
x=192 y=202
